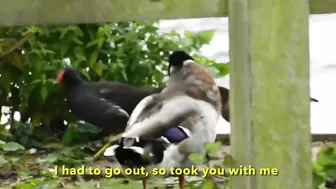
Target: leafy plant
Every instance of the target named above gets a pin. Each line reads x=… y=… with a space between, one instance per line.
x=324 y=169
x=45 y=133
x=31 y=57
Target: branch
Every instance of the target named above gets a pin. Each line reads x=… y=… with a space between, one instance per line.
x=15 y=46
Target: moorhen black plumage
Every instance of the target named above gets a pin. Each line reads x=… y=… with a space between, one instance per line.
x=108 y=104
x=104 y=104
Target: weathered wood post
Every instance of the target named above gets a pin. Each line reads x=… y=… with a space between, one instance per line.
x=270 y=92
x=269 y=70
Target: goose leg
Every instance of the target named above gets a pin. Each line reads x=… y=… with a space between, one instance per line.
x=181 y=181
x=144 y=184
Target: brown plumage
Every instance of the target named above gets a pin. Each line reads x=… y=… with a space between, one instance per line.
x=197 y=83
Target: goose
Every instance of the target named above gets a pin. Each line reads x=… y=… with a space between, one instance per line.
x=191 y=102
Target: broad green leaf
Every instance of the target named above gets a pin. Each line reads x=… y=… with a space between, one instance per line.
x=51 y=158
x=88 y=128
x=197 y=158
x=46 y=173
x=212 y=148
x=37 y=81
x=79 y=53
x=86 y=74
x=24 y=173
x=12 y=146
x=92 y=43
x=187 y=33
x=77 y=40
x=3 y=160
x=70 y=135
x=123 y=73
x=44 y=92
x=53 y=145
x=25 y=186
x=326 y=156
x=223 y=69
x=228 y=160
x=208 y=184
x=206 y=36
x=93 y=58
x=99 y=67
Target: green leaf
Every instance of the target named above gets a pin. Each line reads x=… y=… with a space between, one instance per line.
x=51 y=158
x=44 y=92
x=36 y=81
x=76 y=40
x=326 y=156
x=92 y=43
x=228 y=161
x=208 y=184
x=25 y=186
x=212 y=148
x=70 y=135
x=197 y=158
x=24 y=173
x=206 y=36
x=88 y=128
x=12 y=146
x=46 y=173
x=123 y=73
x=3 y=160
x=99 y=67
x=188 y=33
x=86 y=74
x=223 y=68
x=53 y=145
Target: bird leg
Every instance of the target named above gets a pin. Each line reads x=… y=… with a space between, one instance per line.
x=144 y=184
x=181 y=181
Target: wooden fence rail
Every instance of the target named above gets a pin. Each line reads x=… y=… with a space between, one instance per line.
x=31 y=12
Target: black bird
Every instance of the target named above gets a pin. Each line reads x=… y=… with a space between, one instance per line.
x=108 y=104
x=104 y=104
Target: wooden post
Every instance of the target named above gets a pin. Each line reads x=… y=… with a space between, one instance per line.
x=269 y=93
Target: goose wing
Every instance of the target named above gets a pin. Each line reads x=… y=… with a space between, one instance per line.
x=156 y=113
